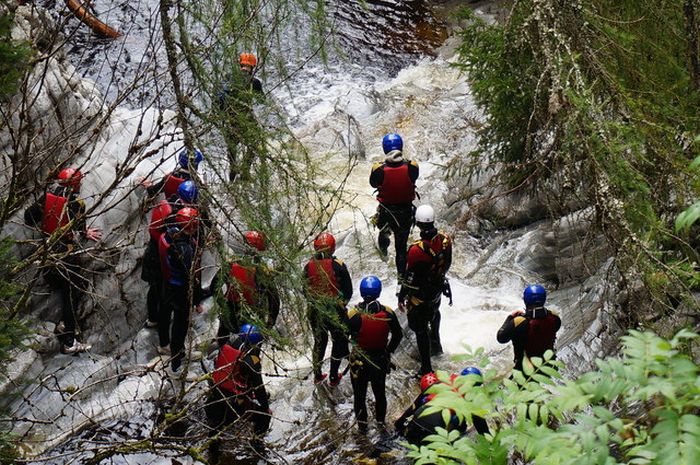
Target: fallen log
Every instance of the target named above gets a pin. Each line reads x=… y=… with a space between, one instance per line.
x=90 y=20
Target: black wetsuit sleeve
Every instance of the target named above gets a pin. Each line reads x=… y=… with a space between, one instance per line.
x=376 y=177
x=354 y=324
x=344 y=280
x=77 y=211
x=413 y=172
x=400 y=422
x=507 y=331
x=253 y=368
x=513 y=329
x=156 y=188
x=256 y=85
x=396 y=333
x=34 y=214
x=273 y=301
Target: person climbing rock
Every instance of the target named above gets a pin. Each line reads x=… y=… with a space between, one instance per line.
x=251 y=294
x=532 y=331
x=240 y=128
x=239 y=391
x=429 y=259
x=60 y=213
x=376 y=332
x=395 y=181
x=162 y=216
x=328 y=290
x=186 y=163
x=179 y=253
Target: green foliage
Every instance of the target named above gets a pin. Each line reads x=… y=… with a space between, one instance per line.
x=13 y=59
x=641 y=408
x=595 y=104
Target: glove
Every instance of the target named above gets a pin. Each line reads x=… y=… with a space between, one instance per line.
x=447 y=290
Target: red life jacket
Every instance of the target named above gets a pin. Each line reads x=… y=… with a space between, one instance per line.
x=227 y=370
x=55 y=212
x=163 y=247
x=437 y=249
x=158 y=216
x=374 y=331
x=321 y=277
x=245 y=287
x=171 y=185
x=541 y=334
x=397 y=186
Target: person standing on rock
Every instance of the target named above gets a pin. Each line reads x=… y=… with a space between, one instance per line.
x=376 y=331
x=251 y=294
x=533 y=331
x=239 y=391
x=162 y=216
x=60 y=213
x=395 y=181
x=236 y=101
x=179 y=253
x=429 y=259
x=328 y=290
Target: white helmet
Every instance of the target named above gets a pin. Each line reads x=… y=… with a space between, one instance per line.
x=425 y=214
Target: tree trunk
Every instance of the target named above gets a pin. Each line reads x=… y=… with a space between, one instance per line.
x=95 y=24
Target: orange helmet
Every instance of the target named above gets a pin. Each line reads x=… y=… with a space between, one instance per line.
x=428 y=380
x=248 y=59
x=324 y=242
x=70 y=177
x=188 y=219
x=255 y=239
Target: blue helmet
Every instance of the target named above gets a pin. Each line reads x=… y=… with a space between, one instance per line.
x=391 y=142
x=187 y=191
x=250 y=334
x=183 y=158
x=534 y=295
x=370 y=286
x=470 y=371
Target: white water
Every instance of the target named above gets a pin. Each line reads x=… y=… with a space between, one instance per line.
x=429 y=104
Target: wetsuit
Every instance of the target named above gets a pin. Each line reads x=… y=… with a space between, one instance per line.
x=429 y=259
x=240 y=126
x=251 y=297
x=238 y=392
x=239 y=387
x=532 y=333
x=51 y=212
x=179 y=257
x=371 y=324
x=329 y=288
x=414 y=425
x=395 y=181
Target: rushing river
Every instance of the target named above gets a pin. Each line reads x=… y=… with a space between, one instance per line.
x=395 y=75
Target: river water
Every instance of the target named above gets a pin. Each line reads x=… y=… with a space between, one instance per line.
x=394 y=75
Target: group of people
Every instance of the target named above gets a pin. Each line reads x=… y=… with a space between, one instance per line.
x=365 y=334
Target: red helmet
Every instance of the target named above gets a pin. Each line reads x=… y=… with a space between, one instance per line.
x=248 y=59
x=324 y=242
x=255 y=239
x=70 y=177
x=188 y=219
x=428 y=380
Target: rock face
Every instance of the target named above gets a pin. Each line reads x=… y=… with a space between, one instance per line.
x=62 y=120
